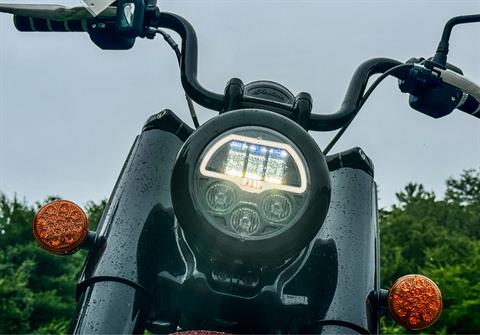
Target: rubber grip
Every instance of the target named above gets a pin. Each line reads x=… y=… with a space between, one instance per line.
x=29 y=24
x=471 y=106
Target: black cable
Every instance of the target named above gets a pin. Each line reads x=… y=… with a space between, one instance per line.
x=440 y=56
x=362 y=102
x=175 y=48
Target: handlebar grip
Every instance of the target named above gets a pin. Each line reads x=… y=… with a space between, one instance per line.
x=470 y=106
x=29 y=24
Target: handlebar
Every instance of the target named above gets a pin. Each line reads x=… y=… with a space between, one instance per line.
x=189 y=61
x=217 y=101
x=354 y=94
x=30 y=24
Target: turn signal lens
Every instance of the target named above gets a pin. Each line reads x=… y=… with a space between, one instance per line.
x=415 y=302
x=60 y=227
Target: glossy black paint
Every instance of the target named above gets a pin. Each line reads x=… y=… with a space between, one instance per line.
x=144 y=272
x=111 y=307
x=332 y=280
x=352 y=223
x=245 y=300
x=140 y=200
x=127 y=250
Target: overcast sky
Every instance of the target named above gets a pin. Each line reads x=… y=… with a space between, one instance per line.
x=69 y=112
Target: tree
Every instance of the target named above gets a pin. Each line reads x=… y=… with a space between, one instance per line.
x=439 y=238
x=16 y=298
x=37 y=289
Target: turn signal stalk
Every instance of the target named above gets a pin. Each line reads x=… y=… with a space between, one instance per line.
x=60 y=227
x=415 y=302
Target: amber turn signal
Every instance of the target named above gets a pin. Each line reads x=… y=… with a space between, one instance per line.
x=60 y=227
x=415 y=302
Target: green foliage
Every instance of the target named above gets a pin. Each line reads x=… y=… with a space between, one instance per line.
x=95 y=211
x=55 y=326
x=16 y=299
x=439 y=238
x=37 y=289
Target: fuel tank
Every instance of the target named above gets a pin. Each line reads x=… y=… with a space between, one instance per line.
x=142 y=271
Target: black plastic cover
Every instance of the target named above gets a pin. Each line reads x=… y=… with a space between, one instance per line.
x=353 y=158
x=168 y=121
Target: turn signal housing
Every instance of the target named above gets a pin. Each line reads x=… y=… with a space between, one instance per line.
x=60 y=227
x=415 y=301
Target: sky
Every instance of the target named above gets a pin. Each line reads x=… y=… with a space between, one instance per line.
x=69 y=112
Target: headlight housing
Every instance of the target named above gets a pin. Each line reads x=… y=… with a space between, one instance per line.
x=250 y=186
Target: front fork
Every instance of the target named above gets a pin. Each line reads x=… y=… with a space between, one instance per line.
x=118 y=279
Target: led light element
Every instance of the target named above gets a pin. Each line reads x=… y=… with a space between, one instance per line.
x=276 y=207
x=245 y=221
x=220 y=197
x=255 y=165
x=415 y=301
x=60 y=227
x=236 y=159
x=252 y=184
x=256 y=162
x=276 y=166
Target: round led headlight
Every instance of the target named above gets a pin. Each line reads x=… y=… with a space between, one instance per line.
x=250 y=186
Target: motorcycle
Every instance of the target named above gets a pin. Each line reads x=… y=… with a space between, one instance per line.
x=243 y=224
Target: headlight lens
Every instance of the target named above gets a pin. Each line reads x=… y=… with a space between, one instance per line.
x=255 y=159
x=245 y=181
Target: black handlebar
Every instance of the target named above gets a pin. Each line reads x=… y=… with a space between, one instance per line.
x=354 y=94
x=217 y=101
x=189 y=61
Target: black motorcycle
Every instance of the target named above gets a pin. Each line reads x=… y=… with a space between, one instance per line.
x=242 y=225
